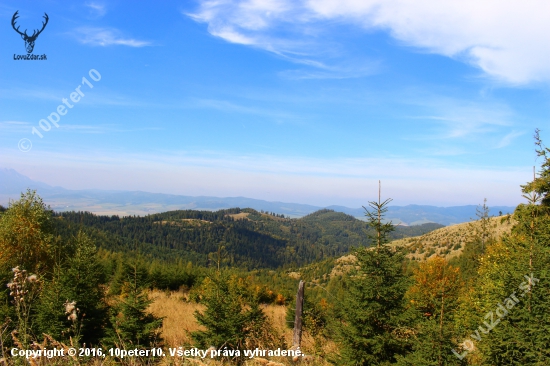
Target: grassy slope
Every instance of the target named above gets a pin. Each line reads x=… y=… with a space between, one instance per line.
x=449 y=241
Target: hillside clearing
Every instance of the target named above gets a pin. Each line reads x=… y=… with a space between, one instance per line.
x=449 y=241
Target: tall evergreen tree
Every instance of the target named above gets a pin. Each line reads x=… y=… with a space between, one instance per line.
x=481 y=235
x=370 y=325
x=539 y=188
x=78 y=280
x=375 y=219
x=514 y=285
x=512 y=294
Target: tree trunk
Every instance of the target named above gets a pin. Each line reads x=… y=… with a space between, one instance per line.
x=297 y=337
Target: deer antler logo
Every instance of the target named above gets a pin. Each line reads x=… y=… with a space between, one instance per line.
x=29 y=40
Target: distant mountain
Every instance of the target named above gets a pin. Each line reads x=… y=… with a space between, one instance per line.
x=249 y=239
x=13 y=183
x=125 y=203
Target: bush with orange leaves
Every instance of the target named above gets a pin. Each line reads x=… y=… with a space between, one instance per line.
x=433 y=300
x=280 y=299
x=436 y=286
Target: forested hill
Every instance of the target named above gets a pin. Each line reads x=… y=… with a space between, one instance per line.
x=236 y=237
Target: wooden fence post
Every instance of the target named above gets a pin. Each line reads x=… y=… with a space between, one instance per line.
x=297 y=337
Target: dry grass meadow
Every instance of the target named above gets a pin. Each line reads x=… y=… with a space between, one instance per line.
x=449 y=241
x=179 y=322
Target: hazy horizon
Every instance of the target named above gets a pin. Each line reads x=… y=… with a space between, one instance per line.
x=15 y=196
x=277 y=100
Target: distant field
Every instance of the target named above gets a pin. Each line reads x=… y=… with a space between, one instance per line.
x=242 y=215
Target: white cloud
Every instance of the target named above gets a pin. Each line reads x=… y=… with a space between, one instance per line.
x=97 y=9
x=508 y=40
x=230 y=107
x=17 y=127
x=278 y=26
x=350 y=70
x=507 y=140
x=106 y=37
x=466 y=120
x=14 y=127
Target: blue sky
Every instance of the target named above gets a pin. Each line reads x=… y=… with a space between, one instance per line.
x=296 y=101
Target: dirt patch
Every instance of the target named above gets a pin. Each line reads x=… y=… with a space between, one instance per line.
x=242 y=215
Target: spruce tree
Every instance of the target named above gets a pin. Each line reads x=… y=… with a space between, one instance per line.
x=480 y=236
x=513 y=283
x=78 y=280
x=231 y=319
x=539 y=188
x=518 y=267
x=132 y=325
x=370 y=326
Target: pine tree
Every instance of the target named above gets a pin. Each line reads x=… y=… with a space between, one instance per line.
x=132 y=325
x=480 y=236
x=539 y=188
x=370 y=326
x=483 y=228
x=513 y=283
x=375 y=220
x=231 y=319
x=77 y=280
x=518 y=267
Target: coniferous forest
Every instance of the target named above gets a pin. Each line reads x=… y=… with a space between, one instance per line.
x=88 y=282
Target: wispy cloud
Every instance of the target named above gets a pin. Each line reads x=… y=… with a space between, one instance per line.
x=251 y=23
x=336 y=71
x=14 y=126
x=285 y=29
x=507 y=140
x=8 y=127
x=97 y=9
x=101 y=129
x=107 y=97
x=508 y=43
x=458 y=119
x=106 y=37
x=31 y=93
x=231 y=107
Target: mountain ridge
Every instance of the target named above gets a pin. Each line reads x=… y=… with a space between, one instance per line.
x=115 y=202
x=247 y=238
